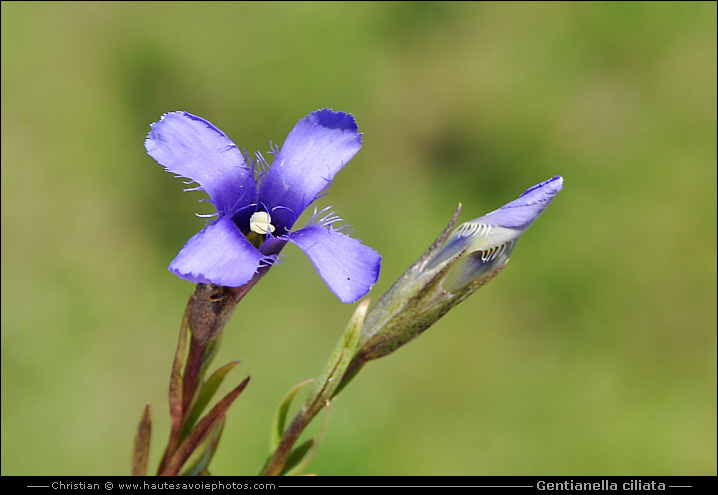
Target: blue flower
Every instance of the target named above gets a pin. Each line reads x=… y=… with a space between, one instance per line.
x=256 y=211
x=479 y=246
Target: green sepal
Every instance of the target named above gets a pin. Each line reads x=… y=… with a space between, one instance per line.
x=207 y=391
x=142 y=444
x=199 y=460
x=280 y=416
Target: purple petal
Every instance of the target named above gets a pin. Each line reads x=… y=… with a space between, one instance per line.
x=316 y=149
x=192 y=147
x=219 y=254
x=347 y=266
x=520 y=213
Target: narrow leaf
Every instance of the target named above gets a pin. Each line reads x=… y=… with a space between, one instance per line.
x=296 y=456
x=209 y=388
x=198 y=462
x=201 y=431
x=176 y=387
x=142 y=444
x=331 y=376
x=264 y=466
x=193 y=373
x=280 y=416
x=177 y=365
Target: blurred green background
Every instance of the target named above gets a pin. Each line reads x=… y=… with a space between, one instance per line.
x=593 y=353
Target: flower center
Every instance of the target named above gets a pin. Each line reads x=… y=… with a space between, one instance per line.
x=261 y=223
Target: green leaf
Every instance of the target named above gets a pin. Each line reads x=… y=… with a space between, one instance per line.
x=176 y=376
x=296 y=456
x=201 y=431
x=176 y=389
x=280 y=416
x=209 y=388
x=264 y=466
x=198 y=461
x=142 y=444
x=331 y=376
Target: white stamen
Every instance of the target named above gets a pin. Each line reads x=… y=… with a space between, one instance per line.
x=260 y=222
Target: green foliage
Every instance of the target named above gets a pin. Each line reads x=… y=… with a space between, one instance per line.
x=280 y=416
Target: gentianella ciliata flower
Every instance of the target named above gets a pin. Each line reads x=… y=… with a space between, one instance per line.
x=256 y=209
x=454 y=267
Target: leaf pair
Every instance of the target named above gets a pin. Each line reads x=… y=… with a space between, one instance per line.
x=192 y=441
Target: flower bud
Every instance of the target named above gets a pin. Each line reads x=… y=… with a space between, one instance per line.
x=452 y=269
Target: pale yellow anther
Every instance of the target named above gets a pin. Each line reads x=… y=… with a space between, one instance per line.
x=261 y=223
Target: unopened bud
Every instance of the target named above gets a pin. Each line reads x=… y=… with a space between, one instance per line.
x=452 y=269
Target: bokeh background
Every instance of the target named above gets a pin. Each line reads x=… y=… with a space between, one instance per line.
x=594 y=352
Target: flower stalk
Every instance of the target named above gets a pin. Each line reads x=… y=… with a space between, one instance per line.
x=455 y=266
x=320 y=396
x=206 y=314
